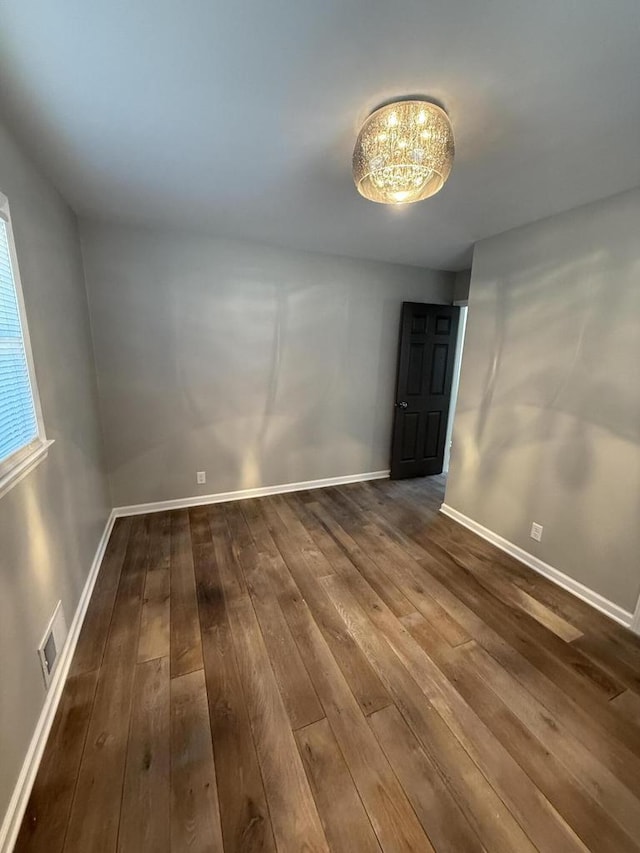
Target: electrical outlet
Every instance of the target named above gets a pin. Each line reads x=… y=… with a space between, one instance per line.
x=201 y=477
x=536 y=532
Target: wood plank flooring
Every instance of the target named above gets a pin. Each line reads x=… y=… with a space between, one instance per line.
x=337 y=670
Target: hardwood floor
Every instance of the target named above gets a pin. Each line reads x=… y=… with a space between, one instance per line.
x=343 y=669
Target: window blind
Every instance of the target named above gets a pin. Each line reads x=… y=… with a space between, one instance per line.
x=18 y=422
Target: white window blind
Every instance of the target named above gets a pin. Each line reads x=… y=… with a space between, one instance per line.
x=18 y=420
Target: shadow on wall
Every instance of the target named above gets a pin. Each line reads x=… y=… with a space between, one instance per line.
x=548 y=421
x=555 y=325
x=267 y=375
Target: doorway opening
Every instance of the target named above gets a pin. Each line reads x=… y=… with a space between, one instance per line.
x=428 y=346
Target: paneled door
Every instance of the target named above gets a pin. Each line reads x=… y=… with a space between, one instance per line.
x=428 y=335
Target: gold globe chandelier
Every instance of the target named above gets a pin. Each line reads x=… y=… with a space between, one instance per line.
x=404 y=153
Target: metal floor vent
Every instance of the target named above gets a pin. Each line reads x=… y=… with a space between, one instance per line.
x=52 y=643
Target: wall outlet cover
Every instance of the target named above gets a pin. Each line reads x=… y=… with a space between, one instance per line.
x=536 y=532
x=201 y=477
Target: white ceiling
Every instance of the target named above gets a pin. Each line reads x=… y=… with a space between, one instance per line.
x=239 y=117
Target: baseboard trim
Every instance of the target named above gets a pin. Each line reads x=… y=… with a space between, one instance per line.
x=22 y=791
x=614 y=611
x=245 y=494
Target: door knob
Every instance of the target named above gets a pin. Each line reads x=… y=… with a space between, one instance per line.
x=402 y=405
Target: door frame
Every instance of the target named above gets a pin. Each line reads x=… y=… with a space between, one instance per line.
x=453 y=311
x=455 y=385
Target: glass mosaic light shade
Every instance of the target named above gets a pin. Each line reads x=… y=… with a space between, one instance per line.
x=404 y=153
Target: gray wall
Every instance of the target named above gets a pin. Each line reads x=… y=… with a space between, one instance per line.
x=259 y=365
x=461 y=285
x=548 y=418
x=50 y=522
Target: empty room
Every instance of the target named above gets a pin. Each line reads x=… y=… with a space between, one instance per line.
x=320 y=426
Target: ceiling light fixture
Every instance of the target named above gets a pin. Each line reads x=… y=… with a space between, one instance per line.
x=403 y=153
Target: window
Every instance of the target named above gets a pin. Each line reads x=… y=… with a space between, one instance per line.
x=22 y=438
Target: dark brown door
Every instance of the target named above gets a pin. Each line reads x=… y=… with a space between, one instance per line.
x=428 y=336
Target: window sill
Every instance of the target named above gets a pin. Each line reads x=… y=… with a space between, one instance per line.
x=24 y=467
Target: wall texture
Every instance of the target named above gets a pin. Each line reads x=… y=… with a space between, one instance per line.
x=548 y=419
x=50 y=522
x=257 y=365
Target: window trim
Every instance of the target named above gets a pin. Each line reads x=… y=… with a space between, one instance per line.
x=22 y=461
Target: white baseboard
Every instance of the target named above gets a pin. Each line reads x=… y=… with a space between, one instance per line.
x=244 y=494
x=22 y=791
x=614 y=611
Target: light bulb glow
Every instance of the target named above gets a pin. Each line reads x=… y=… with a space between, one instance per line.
x=404 y=153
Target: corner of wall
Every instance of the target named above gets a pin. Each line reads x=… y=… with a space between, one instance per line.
x=87 y=293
